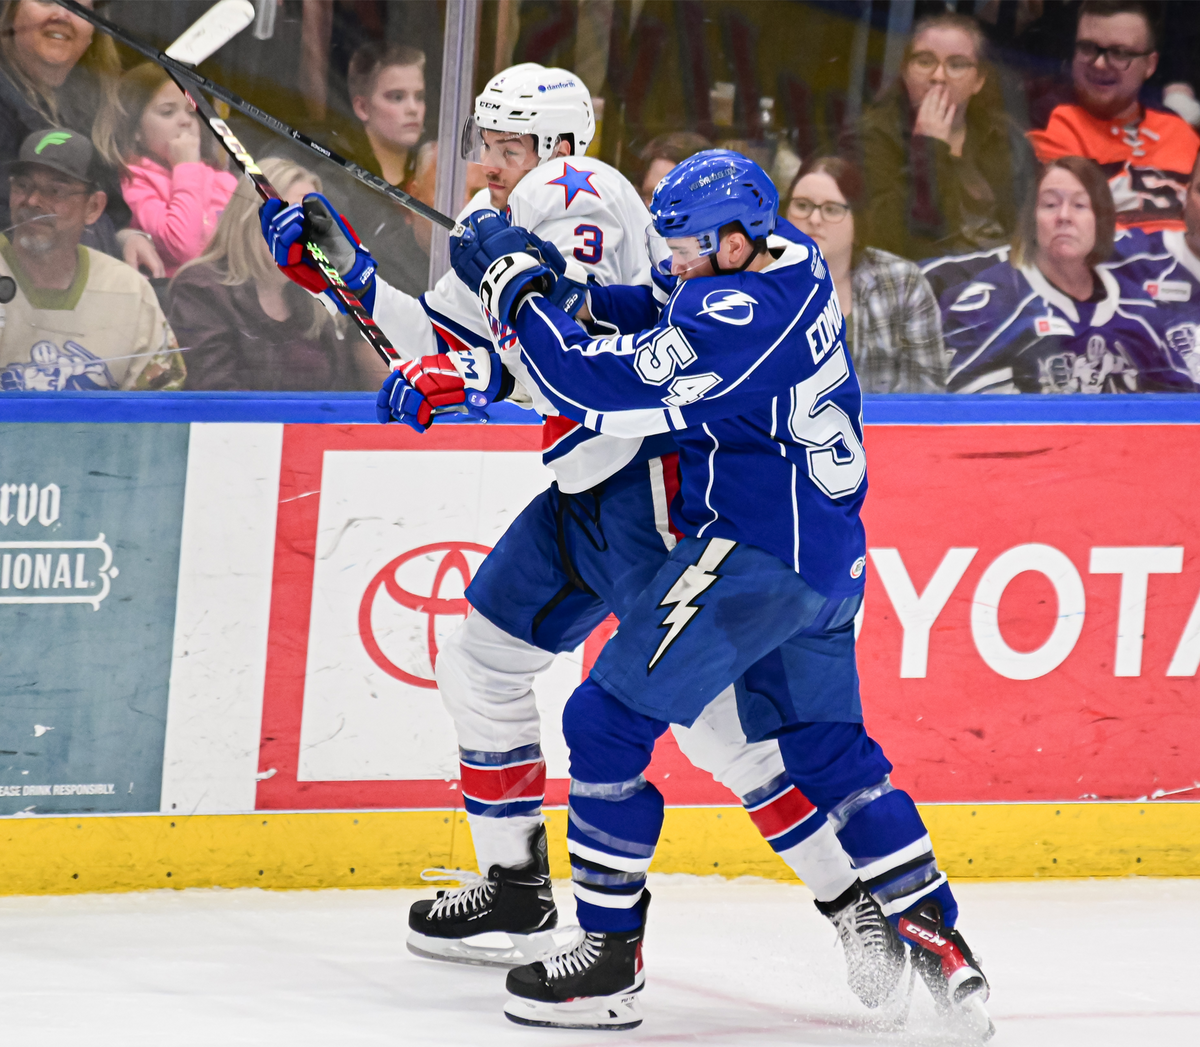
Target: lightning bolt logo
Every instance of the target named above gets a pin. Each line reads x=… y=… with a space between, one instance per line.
x=729 y=306
x=696 y=579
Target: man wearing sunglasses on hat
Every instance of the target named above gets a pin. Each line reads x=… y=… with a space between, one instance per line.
x=1147 y=154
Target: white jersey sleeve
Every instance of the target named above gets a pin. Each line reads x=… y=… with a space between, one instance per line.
x=450 y=308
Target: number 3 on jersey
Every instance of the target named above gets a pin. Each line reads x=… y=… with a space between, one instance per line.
x=593 y=244
x=836 y=470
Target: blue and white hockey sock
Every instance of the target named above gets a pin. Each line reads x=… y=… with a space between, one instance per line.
x=615 y=815
x=503 y=794
x=883 y=833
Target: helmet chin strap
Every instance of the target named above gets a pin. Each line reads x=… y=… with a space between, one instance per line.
x=760 y=246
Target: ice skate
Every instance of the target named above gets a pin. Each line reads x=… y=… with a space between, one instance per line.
x=874 y=952
x=500 y=920
x=591 y=986
x=945 y=962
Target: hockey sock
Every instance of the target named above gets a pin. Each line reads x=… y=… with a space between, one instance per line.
x=615 y=815
x=801 y=836
x=507 y=842
x=883 y=833
x=843 y=770
x=503 y=795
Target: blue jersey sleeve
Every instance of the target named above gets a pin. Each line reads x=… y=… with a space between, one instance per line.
x=626 y=309
x=722 y=347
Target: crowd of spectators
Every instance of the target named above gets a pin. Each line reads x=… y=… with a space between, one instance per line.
x=971 y=250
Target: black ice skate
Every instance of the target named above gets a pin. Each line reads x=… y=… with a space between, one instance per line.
x=874 y=952
x=944 y=961
x=591 y=986
x=499 y=920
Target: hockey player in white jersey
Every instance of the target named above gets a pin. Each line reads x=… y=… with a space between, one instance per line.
x=584 y=548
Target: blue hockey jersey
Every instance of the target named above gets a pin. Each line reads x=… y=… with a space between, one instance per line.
x=1168 y=272
x=1011 y=330
x=750 y=373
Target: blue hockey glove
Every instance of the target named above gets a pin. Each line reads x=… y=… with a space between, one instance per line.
x=488 y=236
x=397 y=401
x=289 y=231
x=283 y=229
x=570 y=278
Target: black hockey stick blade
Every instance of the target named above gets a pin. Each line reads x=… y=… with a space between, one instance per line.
x=179 y=70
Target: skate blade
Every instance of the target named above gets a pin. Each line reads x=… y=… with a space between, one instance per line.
x=616 y=1012
x=974 y=1016
x=495 y=948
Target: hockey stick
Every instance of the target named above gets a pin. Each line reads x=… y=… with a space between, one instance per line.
x=178 y=69
x=262 y=185
x=211 y=31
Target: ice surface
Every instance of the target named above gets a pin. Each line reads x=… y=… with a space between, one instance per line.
x=1072 y=963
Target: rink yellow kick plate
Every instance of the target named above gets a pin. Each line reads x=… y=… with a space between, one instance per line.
x=56 y=855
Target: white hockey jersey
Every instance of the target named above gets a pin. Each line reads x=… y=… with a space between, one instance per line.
x=591 y=213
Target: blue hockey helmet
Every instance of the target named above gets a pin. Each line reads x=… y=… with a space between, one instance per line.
x=705 y=192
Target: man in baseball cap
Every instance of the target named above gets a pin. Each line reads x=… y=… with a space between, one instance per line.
x=78 y=319
x=53 y=197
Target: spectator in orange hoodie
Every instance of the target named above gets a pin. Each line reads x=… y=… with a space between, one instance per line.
x=1146 y=154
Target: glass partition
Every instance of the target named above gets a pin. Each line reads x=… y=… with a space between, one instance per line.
x=1003 y=189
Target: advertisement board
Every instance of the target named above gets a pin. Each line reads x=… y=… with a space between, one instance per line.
x=1029 y=632
x=89 y=556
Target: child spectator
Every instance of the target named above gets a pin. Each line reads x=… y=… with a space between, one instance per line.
x=76 y=319
x=169 y=173
x=245 y=324
x=1052 y=319
x=945 y=168
x=1147 y=153
x=893 y=329
x=55 y=71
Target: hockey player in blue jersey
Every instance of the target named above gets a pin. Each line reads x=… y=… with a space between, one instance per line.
x=582 y=549
x=1052 y=319
x=746 y=367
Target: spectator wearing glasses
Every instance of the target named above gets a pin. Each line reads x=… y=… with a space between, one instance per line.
x=73 y=318
x=893 y=327
x=1146 y=153
x=944 y=166
x=663 y=154
x=1053 y=318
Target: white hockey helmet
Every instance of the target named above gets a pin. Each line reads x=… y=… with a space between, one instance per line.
x=529 y=99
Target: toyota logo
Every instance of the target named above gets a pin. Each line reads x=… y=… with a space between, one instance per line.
x=432 y=606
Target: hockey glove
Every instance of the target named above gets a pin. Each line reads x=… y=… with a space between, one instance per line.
x=570 y=278
x=420 y=389
x=488 y=236
x=290 y=231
